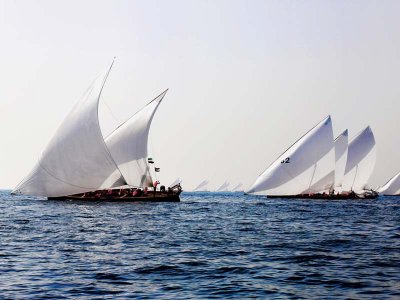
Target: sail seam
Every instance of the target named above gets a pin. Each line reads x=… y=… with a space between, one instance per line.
x=55 y=177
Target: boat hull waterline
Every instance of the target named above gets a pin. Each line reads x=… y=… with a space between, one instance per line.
x=127 y=195
x=150 y=197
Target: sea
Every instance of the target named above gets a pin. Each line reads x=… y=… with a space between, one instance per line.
x=208 y=246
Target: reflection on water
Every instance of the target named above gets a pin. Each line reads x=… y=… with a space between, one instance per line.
x=209 y=245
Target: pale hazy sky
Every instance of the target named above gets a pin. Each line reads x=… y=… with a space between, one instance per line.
x=246 y=78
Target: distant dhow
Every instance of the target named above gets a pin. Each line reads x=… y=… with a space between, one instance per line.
x=237 y=188
x=392 y=187
x=202 y=186
x=175 y=182
x=317 y=166
x=223 y=187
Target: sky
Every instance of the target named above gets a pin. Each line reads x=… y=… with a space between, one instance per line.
x=246 y=78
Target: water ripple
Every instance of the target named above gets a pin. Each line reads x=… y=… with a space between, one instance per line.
x=207 y=246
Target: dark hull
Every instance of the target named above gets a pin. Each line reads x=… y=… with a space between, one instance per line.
x=327 y=197
x=150 y=197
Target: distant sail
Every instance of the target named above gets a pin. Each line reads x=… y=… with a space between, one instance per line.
x=236 y=188
x=76 y=160
x=175 y=182
x=392 y=187
x=361 y=159
x=223 y=187
x=341 y=146
x=308 y=166
x=201 y=186
x=128 y=145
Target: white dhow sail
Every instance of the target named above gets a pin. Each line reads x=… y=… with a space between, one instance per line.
x=308 y=166
x=128 y=146
x=175 y=182
x=202 y=185
x=360 y=164
x=236 y=188
x=392 y=187
x=341 y=146
x=223 y=187
x=76 y=160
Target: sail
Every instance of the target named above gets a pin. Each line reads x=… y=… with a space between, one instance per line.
x=223 y=187
x=237 y=187
x=76 y=160
x=308 y=166
x=360 y=163
x=175 y=182
x=392 y=187
x=201 y=185
x=128 y=145
x=341 y=146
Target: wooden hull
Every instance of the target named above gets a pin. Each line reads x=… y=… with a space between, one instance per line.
x=150 y=197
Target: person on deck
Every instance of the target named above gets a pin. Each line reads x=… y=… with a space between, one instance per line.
x=155 y=184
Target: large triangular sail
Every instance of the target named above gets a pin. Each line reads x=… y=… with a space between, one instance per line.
x=341 y=146
x=360 y=163
x=308 y=166
x=128 y=145
x=392 y=187
x=76 y=160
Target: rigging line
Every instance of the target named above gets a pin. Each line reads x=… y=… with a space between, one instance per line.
x=98 y=121
x=294 y=178
x=355 y=176
x=162 y=94
x=312 y=177
x=109 y=109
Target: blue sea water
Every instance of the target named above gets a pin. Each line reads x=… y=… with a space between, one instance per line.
x=209 y=245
